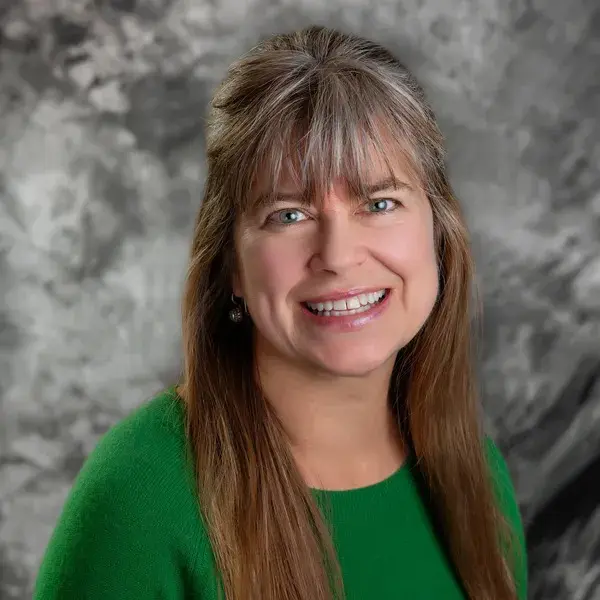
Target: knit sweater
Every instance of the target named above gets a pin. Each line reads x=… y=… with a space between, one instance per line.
x=131 y=529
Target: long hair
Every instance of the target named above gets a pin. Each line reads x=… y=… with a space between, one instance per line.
x=307 y=102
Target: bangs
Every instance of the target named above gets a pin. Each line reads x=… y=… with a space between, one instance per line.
x=327 y=135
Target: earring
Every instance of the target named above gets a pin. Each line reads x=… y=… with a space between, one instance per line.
x=236 y=314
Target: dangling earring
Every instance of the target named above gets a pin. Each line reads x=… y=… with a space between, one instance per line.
x=236 y=314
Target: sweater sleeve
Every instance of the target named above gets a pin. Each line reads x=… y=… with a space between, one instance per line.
x=128 y=528
x=509 y=505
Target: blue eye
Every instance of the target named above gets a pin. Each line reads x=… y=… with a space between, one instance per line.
x=288 y=216
x=382 y=205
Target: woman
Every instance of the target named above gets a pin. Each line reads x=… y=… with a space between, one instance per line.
x=328 y=406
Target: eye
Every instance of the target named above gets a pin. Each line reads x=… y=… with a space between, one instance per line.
x=287 y=216
x=382 y=205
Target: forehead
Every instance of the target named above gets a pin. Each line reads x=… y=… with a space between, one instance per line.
x=376 y=168
x=388 y=164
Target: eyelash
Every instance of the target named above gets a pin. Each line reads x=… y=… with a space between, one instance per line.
x=270 y=219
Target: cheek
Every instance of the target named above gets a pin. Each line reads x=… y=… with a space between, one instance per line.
x=412 y=257
x=270 y=267
x=409 y=250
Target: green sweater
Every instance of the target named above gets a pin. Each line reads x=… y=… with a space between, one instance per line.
x=130 y=528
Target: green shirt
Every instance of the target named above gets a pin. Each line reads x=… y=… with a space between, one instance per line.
x=130 y=527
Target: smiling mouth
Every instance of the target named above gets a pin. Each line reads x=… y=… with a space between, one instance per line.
x=352 y=305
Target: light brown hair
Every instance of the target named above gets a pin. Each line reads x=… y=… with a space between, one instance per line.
x=306 y=102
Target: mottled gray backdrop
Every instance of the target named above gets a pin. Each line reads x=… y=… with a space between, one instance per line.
x=101 y=170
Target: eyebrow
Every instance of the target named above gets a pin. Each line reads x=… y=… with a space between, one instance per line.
x=388 y=183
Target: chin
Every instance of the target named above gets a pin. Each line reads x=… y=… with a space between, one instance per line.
x=353 y=363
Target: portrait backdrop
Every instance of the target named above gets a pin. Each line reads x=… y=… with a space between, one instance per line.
x=102 y=167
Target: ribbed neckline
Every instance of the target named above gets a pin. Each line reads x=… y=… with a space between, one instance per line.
x=369 y=491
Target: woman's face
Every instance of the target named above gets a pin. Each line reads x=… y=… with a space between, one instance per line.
x=343 y=284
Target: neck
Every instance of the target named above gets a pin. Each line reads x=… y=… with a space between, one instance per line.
x=341 y=429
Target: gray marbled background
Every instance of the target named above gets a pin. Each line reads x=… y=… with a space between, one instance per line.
x=101 y=171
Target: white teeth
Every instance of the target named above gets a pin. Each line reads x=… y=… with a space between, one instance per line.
x=353 y=303
x=347 y=306
x=339 y=305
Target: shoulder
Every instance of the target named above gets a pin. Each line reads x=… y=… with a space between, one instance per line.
x=143 y=459
x=143 y=454
x=495 y=458
x=500 y=473
x=509 y=506
x=154 y=430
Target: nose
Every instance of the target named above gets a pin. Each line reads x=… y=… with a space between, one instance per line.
x=339 y=246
